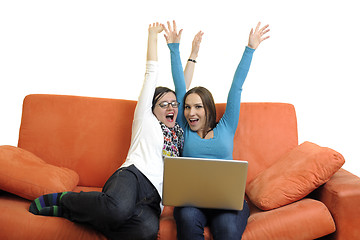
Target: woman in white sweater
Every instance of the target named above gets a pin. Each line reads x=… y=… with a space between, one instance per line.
x=129 y=205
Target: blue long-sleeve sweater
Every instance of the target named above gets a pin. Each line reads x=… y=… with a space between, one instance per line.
x=221 y=145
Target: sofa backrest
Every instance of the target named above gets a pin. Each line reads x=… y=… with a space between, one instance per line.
x=265 y=132
x=92 y=135
x=89 y=135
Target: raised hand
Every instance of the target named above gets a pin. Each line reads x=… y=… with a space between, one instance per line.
x=257 y=36
x=190 y=65
x=196 y=45
x=171 y=34
x=156 y=28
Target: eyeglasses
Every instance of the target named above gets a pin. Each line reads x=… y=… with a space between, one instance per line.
x=165 y=105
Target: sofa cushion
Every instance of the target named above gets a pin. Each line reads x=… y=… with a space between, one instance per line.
x=304 y=219
x=26 y=175
x=294 y=176
x=18 y=223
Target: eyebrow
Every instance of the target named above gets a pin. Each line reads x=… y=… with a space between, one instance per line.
x=195 y=104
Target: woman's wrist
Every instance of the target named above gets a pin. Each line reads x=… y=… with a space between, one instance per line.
x=153 y=33
x=193 y=56
x=250 y=49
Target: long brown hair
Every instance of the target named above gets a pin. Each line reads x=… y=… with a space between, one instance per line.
x=209 y=106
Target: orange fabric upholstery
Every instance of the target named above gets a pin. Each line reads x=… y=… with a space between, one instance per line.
x=341 y=196
x=88 y=135
x=303 y=169
x=92 y=135
x=21 y=224
x=265 y=132
x=305 y=219
x=24 y=174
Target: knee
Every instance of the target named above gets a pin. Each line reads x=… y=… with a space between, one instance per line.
x=190 y=222
x=186 y=214
x=229 y=229
x=149 y=231
x=117 y=214
x=148 y=228
x=225 y=228
x=230 y=224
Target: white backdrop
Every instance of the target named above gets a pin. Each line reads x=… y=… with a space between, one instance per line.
x=98 y=49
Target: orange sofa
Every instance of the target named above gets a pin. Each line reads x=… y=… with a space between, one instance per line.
x=71 y=143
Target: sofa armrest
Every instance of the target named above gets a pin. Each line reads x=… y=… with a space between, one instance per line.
x=341 y=195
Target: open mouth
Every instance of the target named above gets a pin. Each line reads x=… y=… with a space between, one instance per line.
x=170 y=117
x=193 y=121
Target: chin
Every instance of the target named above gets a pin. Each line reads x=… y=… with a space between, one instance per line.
x=170 y=125
x=194 y=129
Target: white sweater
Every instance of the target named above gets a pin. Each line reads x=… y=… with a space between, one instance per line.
x=147 y=139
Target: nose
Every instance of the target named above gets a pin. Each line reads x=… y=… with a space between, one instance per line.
x=192 y=111
x=170 y=107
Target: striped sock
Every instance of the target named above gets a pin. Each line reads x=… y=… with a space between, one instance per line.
x=47 y=200
x=55 y=211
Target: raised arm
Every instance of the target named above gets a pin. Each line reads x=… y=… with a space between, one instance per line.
x=154 y=30
x=190 y=65
x=173 y=40
x=143 y=107
x=231 y=115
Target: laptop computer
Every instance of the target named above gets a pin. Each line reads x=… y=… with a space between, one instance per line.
x=204 y=183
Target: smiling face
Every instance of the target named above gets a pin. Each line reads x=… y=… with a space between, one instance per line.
x=168 y=114
x=194 y=112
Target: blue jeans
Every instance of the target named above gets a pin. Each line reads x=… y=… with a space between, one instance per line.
x=127 y=208
x=224 y=224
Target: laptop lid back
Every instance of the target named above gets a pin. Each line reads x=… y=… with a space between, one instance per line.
x=204 y=183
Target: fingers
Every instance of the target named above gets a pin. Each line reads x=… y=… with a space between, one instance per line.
x=266 y=31
x=174 y=24
x=265 y=27
x=171 y=35
x=169 y=26
x=155 y=24
x=198 y=37
x=174 y=28
x=199 y=34
x=262 y=39
x=257 y=26
x=262 y=30
x=166 y=30
x=180 y=32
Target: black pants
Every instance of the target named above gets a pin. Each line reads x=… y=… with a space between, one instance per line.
x=127 y=208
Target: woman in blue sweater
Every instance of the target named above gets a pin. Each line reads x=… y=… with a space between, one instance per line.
x=205 y=138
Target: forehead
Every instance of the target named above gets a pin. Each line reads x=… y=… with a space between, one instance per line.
x=193 y=98
x=168 y=97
